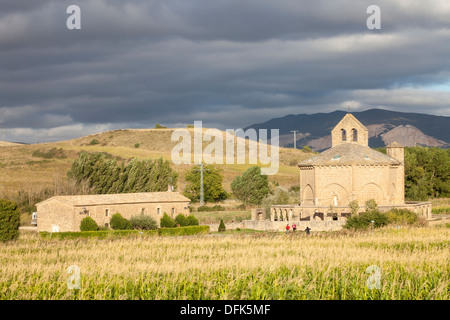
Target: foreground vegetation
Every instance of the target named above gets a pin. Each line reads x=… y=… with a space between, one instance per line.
x=412 y=264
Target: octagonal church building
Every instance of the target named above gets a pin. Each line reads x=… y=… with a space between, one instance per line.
x=349 y=170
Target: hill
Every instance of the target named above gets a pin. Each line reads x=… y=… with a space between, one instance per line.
x=32 y=168
x=408 y=129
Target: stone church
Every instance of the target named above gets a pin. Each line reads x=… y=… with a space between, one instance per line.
x=349 y=170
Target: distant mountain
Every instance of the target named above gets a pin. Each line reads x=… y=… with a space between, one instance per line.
x=408 y=129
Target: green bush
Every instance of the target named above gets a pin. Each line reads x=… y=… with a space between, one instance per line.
x=137 y=145
x=50 y=154
x=401 y=216
x=9 y=220
x=221 y=226
x=94 y=142
x=364 y=220
x=193 y=221
x=120 y=223
x=88 y=224
x=143 y=222
x=166 y=221
x=98 y=234
x=354 y=207
x=371 y=205
x=184 y=231
x=213 y=208
x=182 y=220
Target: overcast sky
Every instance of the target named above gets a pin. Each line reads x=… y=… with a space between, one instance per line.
x=229 y=63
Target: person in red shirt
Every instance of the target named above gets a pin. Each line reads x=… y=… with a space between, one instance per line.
x=294 y=227
x=287 y=228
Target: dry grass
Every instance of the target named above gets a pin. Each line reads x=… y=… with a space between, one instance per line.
x=19 y=169
x=413 y=263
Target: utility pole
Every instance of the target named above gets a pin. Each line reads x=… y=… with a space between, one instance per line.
x=295 y=139
x=202 y=197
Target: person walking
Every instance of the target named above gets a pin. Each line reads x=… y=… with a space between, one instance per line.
x=287 y=228
x=307 y=230
x=294 y=227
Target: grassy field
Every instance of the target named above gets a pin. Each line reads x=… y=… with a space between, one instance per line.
x=410 y=263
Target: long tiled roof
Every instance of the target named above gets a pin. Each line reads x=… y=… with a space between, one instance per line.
x=350 y=153
x=101 y=199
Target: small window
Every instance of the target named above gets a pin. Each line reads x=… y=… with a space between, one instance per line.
x=355 y=134
x=344 y=135
x=158 y=210
x=173 y=211
x=107 y=213
x=106 y=225
x=143 y=211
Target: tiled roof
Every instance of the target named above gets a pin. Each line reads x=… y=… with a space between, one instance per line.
x=101 y=199
x=350 y=153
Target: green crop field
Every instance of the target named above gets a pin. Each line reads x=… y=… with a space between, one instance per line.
x=388 y=263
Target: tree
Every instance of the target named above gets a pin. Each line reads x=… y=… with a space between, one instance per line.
x=221 y=226
x=371 y=205
x=143 y=222
x=166 y=221
x=88 y=224
x=307 y=149
x=251 y=187
x=104 y=175
x=427 y=173
x=279 y=196
x=212 y=184
x=9 y=220
x=193 y=221
x=182 y=220
x=354 y=207
x=120 y=223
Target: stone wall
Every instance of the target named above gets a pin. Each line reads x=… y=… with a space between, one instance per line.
x=55 y=215
x=281 y=225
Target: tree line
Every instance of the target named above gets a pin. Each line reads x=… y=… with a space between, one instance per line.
x=105 y=176
x=427 y=173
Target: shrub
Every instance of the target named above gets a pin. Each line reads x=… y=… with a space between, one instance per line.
x=88 y=224
x=193 y=221
x=166 y=221
x=214 y=208
x=221 y=226
x=354 y=207
x=120 y=223
x=143 y=222
x=184 y=231
x=50 y=154
x=364 y=220
x=98 y=234
x=371 y=205
x=182 y=220
x=9 y=220
x=218 y=208
x=94 y=142
x=137 y=145
x=401 y=216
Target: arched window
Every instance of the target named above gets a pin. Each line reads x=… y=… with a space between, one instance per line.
x=344 y=135
x=355 y=134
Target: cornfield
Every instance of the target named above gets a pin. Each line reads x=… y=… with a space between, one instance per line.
x=389 y=263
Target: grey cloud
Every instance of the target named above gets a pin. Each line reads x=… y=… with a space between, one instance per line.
x=230 y=63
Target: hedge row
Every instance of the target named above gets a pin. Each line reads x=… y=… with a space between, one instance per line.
x=180 y=231
x=184 y=231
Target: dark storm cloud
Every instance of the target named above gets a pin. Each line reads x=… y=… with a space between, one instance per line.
x=229 y=63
